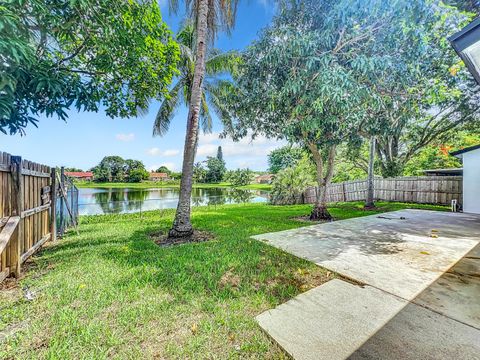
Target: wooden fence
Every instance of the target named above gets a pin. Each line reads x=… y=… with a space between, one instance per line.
x=439 y=190
x=27 y=203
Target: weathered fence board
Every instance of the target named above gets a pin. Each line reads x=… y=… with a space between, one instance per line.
x=439 y=190
x=28 y=216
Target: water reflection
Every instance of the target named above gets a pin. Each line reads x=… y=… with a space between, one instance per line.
x=125 y=200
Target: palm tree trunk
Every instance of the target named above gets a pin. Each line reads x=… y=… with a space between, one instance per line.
x=369 y=202
x=182 y=225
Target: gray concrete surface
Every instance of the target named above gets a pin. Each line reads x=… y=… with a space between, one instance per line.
x=424 y=302
x=418 y=333
x=339 y=320
x=397 y=255
x=456 y=294
x=330 y=321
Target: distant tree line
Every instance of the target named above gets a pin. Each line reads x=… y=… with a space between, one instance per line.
x=214 y=170
x=117 y=169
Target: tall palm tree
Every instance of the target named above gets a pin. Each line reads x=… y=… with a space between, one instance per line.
x=217 y=63
x=208 y=17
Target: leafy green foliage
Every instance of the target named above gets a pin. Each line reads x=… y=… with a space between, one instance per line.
x=432 y=96
x=215 y=170
x=135 y=171
x=116 y=169
x=164 y=169
x=351 y=163
x=316 y=73
x=217 y=65
x=239 y=177
x=281 y=158
x=436 y=155
x=82 y=54
x=290 y=183
x=73 y=169
x=220 y=153
x=199 y=173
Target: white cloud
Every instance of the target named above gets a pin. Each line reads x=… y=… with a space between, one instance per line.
x=167 y=153
x=170 y=165
x=125 y=137
x=207 y=150
x=208 y=138
x=246 y=152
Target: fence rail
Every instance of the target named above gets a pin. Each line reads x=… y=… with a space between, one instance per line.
x=439 y=190
x=25 y=211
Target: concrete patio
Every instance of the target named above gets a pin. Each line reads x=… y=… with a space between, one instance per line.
x=409 y=306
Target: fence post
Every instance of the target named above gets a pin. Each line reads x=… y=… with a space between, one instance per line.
x=74 y=218
x=62 y=200
x=53 y=205
x=17 y=178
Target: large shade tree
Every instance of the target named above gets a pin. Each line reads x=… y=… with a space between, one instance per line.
x=208 y=17
x=84 y=54
x=423 y=103
x=312 y=75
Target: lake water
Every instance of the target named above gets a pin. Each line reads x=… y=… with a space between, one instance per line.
x=94 y=201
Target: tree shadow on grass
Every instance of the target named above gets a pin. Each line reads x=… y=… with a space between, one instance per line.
x=221 y=269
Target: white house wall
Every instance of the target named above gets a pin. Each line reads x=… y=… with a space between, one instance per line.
x=471 y=181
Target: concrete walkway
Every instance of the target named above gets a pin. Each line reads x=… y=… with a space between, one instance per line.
x=409 y=307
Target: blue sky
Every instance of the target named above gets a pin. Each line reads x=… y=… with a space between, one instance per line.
x=87 y=137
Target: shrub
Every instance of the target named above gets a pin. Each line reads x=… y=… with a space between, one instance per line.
x=240 y=177
x=290 y=183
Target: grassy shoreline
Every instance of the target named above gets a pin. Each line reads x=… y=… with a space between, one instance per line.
x=157 y=185
x=110 y=292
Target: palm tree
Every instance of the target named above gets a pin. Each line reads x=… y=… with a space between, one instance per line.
x=208 y=16
x=217 y=63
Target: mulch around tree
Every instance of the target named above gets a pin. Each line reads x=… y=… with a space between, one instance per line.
x=162 y=239
x=306 y=218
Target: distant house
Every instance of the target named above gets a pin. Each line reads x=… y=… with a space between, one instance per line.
x=80 y=175
x=158 y=176
x=471 y=178
x=264 y=179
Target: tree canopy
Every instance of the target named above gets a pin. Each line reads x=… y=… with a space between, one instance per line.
x=215 y=169
x=286 y=156
x=83 y=54
x=164 y=169
x=217 y=63
x=321 y=73
x=117 y=169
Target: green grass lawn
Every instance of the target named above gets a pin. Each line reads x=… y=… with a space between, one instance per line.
x=110 y=292
x=152 y=184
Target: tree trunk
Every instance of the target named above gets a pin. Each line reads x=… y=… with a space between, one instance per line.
x=391 y=162
x=320 y=211
x=369 y=202
x=182 y=225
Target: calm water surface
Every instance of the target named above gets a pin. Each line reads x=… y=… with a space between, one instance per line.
x=96 y=201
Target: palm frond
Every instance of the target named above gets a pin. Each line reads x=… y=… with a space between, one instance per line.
x=217 y=93
x=186 y=34
x=219 y=62
x=221 y=15
x=167 y=109
x=205 y=116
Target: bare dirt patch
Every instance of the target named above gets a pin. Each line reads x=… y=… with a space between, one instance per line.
x=198 y=236
x=229 y=279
